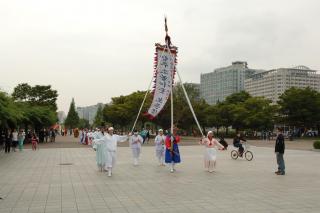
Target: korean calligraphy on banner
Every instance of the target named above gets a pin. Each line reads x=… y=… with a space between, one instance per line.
x=164 y=78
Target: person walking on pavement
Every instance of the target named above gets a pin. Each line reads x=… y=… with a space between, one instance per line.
x=279 y=150
x=14 y=139
x=8 y=141
x=34 y=141
x=21 y=137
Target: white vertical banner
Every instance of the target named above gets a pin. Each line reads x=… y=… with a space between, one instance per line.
x=164 y=78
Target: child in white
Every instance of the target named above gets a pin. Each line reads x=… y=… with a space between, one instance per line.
x=111 y=141
x=159 y=142
x=135 y=142
x=210 y=154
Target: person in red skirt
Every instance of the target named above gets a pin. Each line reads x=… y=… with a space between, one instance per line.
x=172 y=154
x=34 y=141
x=86 y=139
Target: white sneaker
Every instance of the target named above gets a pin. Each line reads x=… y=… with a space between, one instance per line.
x=171 y=170
x=135 y=162
x=109 y=173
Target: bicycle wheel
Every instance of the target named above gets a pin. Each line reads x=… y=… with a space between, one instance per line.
x=248 y=155
x=234 y=154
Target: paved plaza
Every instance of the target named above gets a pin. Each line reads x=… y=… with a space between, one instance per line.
x=67 y=180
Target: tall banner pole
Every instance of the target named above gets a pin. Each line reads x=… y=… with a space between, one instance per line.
x=172 y=105
x=189 y=103
x=162 y=81
x=168 y=43
x=144 y=99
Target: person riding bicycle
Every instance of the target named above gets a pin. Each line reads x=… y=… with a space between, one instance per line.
x=237 y=143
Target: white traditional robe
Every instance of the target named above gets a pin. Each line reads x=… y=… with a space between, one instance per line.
x=159 y=142
x=135 y=144
x=90 y=136
x=210 y=153
x=111 y=142
x=100 y=150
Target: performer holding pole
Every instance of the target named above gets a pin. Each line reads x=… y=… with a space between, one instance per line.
x=172 y=155
x=210 y=153
x=165 y=68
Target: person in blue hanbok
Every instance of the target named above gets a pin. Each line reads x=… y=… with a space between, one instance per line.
x=100 y=150
x=172 y=155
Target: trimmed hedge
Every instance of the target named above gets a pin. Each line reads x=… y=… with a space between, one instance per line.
x=316 y=144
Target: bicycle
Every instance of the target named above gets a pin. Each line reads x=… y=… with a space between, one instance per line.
x=247 y=154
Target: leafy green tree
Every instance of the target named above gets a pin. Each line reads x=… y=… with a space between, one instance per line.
x=39 y=95
x=300 y=107
x=213 y=116
x=237 y=98
x=117 y=115
x=37 y=116
x=14 y=114
x=72 y=119
x=241 y=111
x=10 y=114
x=98 y=119
x=83 y=123
x=232 y=112
x=239 y=114
x=261 y=114
x=123 y=110
x=183 y=117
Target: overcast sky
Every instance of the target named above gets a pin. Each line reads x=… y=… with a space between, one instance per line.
x=93 y=50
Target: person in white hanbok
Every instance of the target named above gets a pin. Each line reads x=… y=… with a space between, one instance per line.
x=90 y=137
x=111 y=141
x=210 y=153
x=159 y=142
x=100 y=149
x=135 y=142
x=82 y=136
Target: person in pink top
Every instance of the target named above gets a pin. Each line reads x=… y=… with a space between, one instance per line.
x=210 y=154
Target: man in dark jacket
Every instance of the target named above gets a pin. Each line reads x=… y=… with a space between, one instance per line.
x=8 y=141
x=279 y=150
x=237 y=143
x=41 y=136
